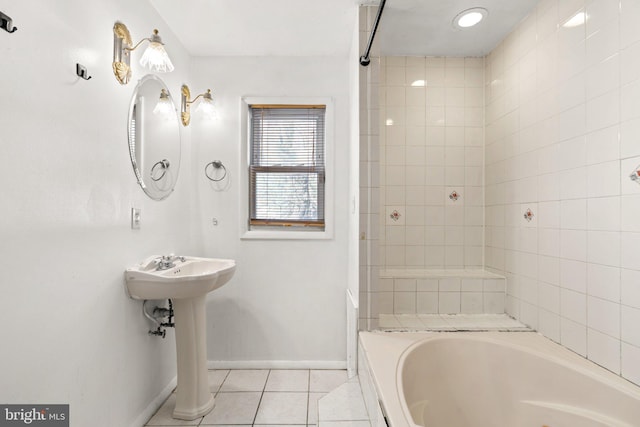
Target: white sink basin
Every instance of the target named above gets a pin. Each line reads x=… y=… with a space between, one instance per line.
x=186 y=281
x=189 y=278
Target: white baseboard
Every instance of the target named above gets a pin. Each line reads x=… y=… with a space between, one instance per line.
x=277 y=364
x=155 y=404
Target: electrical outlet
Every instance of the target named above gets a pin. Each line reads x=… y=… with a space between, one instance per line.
x=135 y=218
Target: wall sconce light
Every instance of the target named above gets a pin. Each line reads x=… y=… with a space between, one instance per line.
x=154 y=57
x=205 y=106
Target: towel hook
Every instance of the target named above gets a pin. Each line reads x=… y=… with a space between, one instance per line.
x=81 y=71
x=6 y=23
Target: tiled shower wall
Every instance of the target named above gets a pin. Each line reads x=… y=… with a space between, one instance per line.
x=431 y=162
x=562 y=138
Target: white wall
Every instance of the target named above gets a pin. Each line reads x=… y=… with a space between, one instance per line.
x=353 y=297
x=562 y=125
x=70 y=334
x=285 y=305
x=354 y=161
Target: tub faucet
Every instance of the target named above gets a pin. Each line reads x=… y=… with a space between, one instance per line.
x=167 y=261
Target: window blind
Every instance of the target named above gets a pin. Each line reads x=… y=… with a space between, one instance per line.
x=287 y=165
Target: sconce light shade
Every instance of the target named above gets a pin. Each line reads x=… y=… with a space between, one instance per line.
x=205 y=107
x=155 y=56
x=164 y=107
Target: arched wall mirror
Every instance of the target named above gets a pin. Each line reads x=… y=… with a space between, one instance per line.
x=154 y=137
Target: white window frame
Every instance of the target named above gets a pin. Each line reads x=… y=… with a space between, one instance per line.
x=245 y=123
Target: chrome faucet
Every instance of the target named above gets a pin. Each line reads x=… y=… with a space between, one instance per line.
x=167 y=261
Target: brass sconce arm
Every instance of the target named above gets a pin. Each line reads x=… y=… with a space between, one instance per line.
x=155 y=38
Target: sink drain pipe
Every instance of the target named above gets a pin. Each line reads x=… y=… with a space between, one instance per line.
x=156 y=315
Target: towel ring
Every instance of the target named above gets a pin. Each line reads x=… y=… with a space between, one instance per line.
x=216 y=164
x=164 y=164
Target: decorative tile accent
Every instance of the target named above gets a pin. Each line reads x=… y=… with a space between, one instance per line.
x=528 y=215
x=454 y=196
x=395 y=215
x=635 y=175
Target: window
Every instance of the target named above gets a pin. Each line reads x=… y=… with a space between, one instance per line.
x=287 y=167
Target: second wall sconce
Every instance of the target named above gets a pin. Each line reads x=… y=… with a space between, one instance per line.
x=154 y=57
x=205 y=106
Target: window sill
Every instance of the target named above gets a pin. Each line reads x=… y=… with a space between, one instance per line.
x=285 y=235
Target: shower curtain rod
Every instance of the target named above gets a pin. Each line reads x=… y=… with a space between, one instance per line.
x=364 y=59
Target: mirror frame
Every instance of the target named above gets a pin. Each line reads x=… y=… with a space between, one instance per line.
x=174 y=164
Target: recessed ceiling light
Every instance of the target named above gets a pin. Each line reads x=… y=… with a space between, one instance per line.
x=470 y=17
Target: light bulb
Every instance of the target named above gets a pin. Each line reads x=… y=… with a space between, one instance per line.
x=163 y=108
x=206 y=109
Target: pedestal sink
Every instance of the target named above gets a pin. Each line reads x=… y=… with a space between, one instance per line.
x=186 y=281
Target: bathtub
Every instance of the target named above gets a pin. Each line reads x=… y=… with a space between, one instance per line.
x=490 y=379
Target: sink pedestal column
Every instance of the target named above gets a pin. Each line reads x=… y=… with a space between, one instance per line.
x=193 y=397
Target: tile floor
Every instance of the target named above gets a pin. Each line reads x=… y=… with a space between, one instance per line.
x=450 y=322
x=254 y=397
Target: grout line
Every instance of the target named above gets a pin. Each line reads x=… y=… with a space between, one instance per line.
x=223 y=381
x=306 y=421
x=261 y=396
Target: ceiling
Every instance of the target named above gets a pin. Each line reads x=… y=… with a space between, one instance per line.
x=261 y=27
x=325 y=27
x=424 y=27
